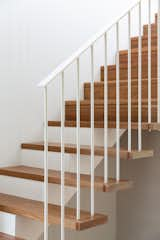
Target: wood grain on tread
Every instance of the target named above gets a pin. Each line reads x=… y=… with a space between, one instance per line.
x=99 y=89
x=4 y=236
x=135 y=40
x=134 y=65
x=123 y=58
x=153 y=29
x=111 y=124
x=34 y=210
x=37 y=174
x=83 y=124
x=85 y=112
x=136 y=50
x=86 y=150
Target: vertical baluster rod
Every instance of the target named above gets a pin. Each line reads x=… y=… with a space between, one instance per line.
x=129 y=81
x=45 y=165
x=78 y=140
x=140 y=79
x=117 y=107
x=62 y=157
x=105 y=111
x=92 y=130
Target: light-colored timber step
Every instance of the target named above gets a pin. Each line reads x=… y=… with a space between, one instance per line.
x=85 y=110
x=34 y=210
x=4 y=236
x=134 y=65
x=86 y=150
x=99 y=89
x=153 y=29
x=111 y=124
x=135 y=40
x=134 y=71
x=135 y=50
x=54 y=177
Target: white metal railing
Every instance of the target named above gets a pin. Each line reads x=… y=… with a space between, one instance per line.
x=139 y=80
x=60 y=71
x=105 y=110
x=78 y=139
x=45 y=164
x=117 y=106
x=62 y=156
x=129 y=81
x=92 y=130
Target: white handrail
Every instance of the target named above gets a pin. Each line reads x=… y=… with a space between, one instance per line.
x=81 y=50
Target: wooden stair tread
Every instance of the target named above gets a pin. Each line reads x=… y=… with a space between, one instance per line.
x=37 y=174
x=99 y=89
x=144 y=37
x=153 y=29
x=86 y=150
x=4 y=236
x=135 y=41
x=113 y=68
x=34 y=210
x=111 y=124
x=136 y=50
x=112 y=101
x=124 y=81
x=85 y=110
x=124 y=66
x=83 y=124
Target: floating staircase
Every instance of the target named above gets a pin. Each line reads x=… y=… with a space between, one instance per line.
x=35 y=209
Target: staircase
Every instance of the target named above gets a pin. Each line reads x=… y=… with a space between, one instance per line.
x=126 y=97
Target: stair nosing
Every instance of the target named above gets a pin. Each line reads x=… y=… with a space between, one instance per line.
x=33 y=209
x=37 y=174
x=86 y=150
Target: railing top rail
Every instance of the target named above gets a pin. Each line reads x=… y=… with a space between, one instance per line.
x=81 y=50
